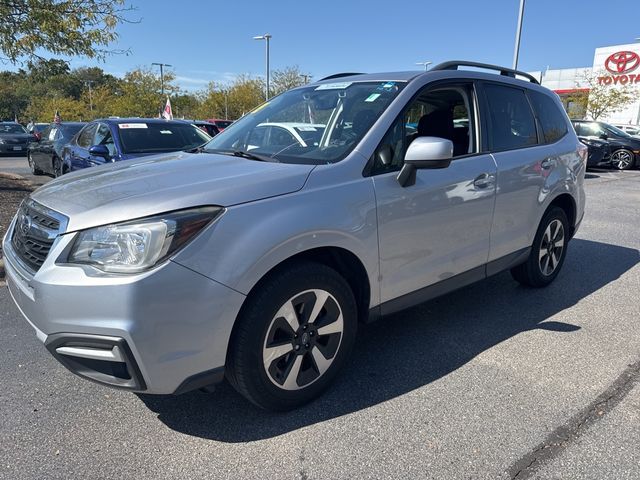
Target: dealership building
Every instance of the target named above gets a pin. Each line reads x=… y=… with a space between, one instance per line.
x=614 y=67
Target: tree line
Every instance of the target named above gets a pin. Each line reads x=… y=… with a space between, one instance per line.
x=46 y=86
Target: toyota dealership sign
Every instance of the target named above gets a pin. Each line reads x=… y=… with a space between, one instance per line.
x=621 y=65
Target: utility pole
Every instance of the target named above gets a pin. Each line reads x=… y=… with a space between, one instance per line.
x=516 y=50
x=88 y=84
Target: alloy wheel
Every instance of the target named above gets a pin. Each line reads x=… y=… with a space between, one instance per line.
x=303 y=339
x=551 y=247
x=622 y=159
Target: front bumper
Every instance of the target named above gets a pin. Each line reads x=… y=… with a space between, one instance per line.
x=163 y=331
x=14 y=148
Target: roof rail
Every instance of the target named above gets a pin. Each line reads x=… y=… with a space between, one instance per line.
x=339 y=75
x=508 y=72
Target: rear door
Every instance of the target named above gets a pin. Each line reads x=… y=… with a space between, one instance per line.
x=79 y=153
x=528 y=160
x=437 y=228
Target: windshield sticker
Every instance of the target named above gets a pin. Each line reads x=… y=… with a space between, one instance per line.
x=334 y=86
x=307 y=129
x=166 y=132
x=372 y=97
x=387 y=86
x=132 y=125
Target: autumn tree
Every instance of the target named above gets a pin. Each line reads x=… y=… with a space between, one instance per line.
x=286 y=79
x=62 y=27
x=596 y=99
x=139 y=94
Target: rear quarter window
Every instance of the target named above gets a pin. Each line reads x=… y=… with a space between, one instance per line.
x=551 y=119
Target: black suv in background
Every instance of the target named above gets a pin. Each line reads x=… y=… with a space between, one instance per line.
x=625 y=149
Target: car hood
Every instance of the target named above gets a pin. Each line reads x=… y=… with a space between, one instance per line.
x=138 y=188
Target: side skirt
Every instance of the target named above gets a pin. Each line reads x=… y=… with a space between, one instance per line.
x=449 y=285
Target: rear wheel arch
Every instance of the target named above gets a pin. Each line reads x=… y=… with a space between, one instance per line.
x=568 y=204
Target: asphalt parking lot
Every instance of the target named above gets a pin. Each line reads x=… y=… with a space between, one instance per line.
x=493 y=381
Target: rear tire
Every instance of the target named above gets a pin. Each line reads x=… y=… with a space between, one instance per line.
x=292 y=337
x=623 y=159
x=548 y=251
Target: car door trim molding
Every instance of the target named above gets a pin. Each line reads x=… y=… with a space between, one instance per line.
x=449 y=285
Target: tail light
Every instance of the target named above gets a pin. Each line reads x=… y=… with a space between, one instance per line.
x=583 y=151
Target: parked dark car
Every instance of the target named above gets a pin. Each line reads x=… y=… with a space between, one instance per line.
x=625 y=149
x=221 y=124
x=14 y=139
x=116 y=139
x=208 y=127
x=37 y=129
x=45 y=154
x=599 y=151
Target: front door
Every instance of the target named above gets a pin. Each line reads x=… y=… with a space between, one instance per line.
x=438 y=227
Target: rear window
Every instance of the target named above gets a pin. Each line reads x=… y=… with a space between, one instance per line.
x=512 y=122
x=141 y=137
x=69 y=131
x=552 y=120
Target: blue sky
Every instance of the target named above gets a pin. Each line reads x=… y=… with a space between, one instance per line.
x=206 y=40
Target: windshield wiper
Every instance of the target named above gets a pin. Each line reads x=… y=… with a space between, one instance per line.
x=251 y=156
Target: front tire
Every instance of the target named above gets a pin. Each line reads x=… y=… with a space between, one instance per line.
x=57 y=167
x=292 y=337
x=32 y=165
x=622 y=159
x=548 y=251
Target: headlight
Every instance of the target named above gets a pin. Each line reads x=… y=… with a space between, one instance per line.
x=138 y=245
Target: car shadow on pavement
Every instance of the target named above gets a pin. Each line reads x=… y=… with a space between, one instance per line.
x=410 y=349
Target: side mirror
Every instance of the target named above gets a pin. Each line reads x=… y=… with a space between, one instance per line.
x=425 y=152
x=604 y=136
x=99 y=151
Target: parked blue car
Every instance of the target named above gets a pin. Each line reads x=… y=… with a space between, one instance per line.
x=112 y=140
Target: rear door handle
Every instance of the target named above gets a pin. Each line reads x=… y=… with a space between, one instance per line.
x=484 y=180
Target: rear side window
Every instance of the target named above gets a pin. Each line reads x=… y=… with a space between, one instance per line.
x=551 y=119
x=512 y=123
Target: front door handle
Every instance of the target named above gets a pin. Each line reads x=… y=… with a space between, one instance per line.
x=484 y=180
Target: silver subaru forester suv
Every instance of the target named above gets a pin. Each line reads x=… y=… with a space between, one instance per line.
x=255 y=256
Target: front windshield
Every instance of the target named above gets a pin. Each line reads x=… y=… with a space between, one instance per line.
x=11 y=128
x=617 y=131
x=312 y=125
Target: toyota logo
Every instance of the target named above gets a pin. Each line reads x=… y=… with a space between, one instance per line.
x=24 y=224
x=622 y=62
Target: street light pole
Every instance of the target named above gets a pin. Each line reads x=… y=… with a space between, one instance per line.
x=162 y=65
x=266 y=37
x=516 y=50
x=425 y=64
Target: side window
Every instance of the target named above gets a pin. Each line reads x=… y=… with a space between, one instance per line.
x=256 y=137
x=103 y=137
x=512 y=123
x=85 y=138
x=45 y=133
x=551 y=119
x=592 y=130
x=577 y=127
x=445 y=112
x=281 y=137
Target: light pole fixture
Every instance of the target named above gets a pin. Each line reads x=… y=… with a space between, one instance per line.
x=516 y=50
x=424 y=64
x=265 y=37
x=162 y=65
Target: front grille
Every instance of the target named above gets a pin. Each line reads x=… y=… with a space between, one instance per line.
x=33 y=234
x=15 y=141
